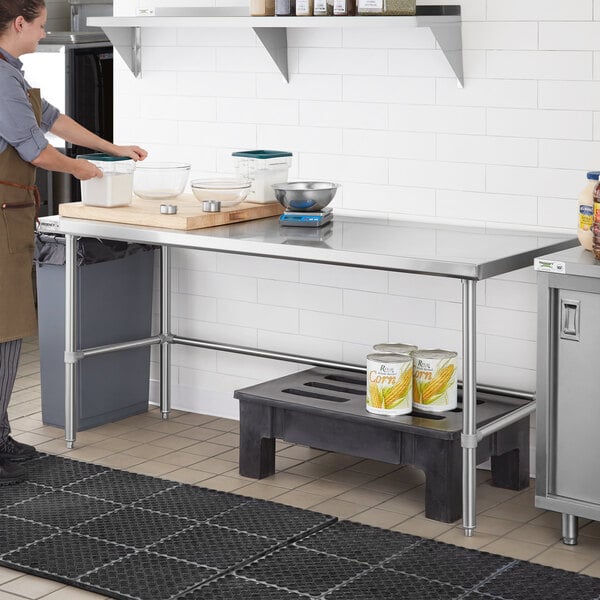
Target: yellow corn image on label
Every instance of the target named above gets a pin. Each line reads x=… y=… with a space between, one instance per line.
x=434 y=382
x=389 y=384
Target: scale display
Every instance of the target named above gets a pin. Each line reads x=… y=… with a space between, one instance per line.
x=306 y=219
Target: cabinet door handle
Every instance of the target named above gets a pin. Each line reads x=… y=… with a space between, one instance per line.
x=569 y=319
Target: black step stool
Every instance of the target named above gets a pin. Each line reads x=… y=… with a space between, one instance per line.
x=325 y=409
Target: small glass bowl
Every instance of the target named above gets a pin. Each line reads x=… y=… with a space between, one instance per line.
x=160 y=180
x=229 y=191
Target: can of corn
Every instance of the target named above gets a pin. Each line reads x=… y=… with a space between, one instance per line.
x=394 y=348
x=434 y=385
x=389 y=384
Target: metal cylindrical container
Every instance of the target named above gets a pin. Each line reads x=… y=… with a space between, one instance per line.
x=389 y=384
x=395 y=348
x=434 y=386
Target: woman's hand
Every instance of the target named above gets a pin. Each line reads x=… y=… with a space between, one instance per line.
x=84 y=169
x=134 y=152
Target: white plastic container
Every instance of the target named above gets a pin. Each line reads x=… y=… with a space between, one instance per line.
x=263 y=168
x=115 y=187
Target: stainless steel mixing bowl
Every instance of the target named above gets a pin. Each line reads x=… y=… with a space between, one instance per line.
x=305 y=196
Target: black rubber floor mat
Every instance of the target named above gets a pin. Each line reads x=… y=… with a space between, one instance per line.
x=15 y=532
x=147 y=576
x=389 y=585
x=55 y=471
x=448 y=564
x=120 y=486
x=214 y=546
x=192 y=502
x=238 y=588
x=133 y=527
x=284 y=523
x=134 y=537
x=359 y=542
x=60 y=509
x=523 y=581
x=67 y=555
x=302 y=570
x=11 y=494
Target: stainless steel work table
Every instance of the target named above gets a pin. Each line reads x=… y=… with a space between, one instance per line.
x=470 y=254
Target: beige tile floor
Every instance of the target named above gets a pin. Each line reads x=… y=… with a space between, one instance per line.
x=202 y=450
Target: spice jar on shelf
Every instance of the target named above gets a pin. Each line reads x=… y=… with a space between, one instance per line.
x=323 y=8
x=344 y=8
x=304 y=8
x=386 y=7
x=285 y=8
x=262 y=8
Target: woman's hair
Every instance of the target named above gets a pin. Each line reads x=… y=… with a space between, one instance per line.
x=11 y=9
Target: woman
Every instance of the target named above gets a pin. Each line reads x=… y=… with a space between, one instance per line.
x=24 y=118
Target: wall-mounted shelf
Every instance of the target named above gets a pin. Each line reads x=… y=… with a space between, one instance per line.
x=125 y=33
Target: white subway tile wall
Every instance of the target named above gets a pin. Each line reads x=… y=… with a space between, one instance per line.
x=380 y=112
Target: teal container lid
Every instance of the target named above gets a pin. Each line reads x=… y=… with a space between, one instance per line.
x=103 y=157
x=262 y=154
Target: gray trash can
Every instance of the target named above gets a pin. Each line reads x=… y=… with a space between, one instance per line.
x=114 y=289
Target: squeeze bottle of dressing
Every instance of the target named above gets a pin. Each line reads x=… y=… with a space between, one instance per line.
x=586 y=211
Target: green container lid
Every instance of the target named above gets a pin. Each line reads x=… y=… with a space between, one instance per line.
x=103 y=157
x=262 y=154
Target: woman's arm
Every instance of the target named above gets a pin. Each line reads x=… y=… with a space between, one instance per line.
x=71 y=131
x=52 y=160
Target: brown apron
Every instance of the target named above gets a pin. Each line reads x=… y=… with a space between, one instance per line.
x=18 y=200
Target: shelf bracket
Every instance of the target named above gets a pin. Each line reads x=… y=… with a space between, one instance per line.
x=449 y=38
x=127 y=41
x=274 y=39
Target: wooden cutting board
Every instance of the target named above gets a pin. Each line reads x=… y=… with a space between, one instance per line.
x=189 y=213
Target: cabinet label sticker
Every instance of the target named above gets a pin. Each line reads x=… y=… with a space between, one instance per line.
x=549 y=266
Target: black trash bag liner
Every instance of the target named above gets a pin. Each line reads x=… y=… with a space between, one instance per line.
x=50 y=250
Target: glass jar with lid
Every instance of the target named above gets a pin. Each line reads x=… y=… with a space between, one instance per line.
x=262 y=8
x=344 y=8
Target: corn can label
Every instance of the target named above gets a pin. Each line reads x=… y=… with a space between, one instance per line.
x=434 y=385
x=389 y=384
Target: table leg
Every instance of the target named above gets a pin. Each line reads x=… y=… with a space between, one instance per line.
x=71 y=310
x=257 y=446
x=510 y=457
x=570 y=529
x=469 y=440
x=440 y=460
x=165 y=330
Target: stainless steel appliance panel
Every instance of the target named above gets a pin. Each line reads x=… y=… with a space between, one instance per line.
x=576 y=447
x=567 y=394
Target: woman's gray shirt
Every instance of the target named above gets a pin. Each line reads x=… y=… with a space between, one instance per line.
x=18 y=127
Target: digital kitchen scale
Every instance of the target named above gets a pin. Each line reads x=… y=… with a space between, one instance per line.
x=306 y=219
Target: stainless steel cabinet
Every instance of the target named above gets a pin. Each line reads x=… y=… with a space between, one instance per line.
x=568 y=387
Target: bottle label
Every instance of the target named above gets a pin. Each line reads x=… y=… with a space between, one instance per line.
x=339 y=7
x=370 y=4
x=302 y=8
x=586 y=217
x=320 y=7
x=596 y=212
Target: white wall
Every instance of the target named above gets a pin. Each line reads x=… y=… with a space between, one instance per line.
x=380 y=112
x=59 y=15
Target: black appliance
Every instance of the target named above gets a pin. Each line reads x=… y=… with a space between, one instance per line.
x=75 y=73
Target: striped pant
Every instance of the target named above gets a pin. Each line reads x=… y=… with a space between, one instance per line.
x=9 y=362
